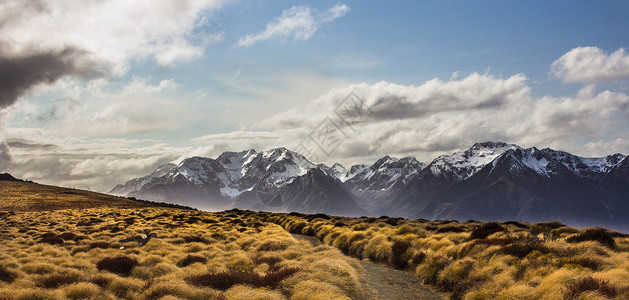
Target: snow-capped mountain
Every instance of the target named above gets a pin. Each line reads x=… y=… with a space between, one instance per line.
x=488 y=181
x=496 y=181
x=461 y=165
x=136 y=184
x=218 y=183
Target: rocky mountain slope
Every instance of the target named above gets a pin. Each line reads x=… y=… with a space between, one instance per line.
x=488 y=181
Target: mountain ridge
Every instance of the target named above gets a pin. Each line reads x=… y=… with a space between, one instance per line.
x=488 y=181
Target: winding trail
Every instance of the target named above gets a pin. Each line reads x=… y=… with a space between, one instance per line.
x=381 y=282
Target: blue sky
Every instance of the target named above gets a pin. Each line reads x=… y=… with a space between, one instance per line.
x=156 y=81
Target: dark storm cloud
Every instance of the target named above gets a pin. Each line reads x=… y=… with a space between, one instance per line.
x=394 y=107
x=5 y=157
x=19 y=74
x=24 y=144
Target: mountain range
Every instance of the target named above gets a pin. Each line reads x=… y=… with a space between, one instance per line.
x=489 y=181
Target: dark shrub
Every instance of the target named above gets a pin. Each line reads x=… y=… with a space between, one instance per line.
x=269 y=260
x=516 y=224
x=209 y=221
x=522 y=248
x=398 y=259
x=340 y=224
x=450 y=229
x=48 y=234
x=7 y=275
x=225 y=280
x=178 y=217
x=217 y=236
x=431 y=227
x=190 y=259
x=591 y=284
x=460 y=288
x=195 y=239
x=545 y=228
x=391 y=222
x=119 y=264
x=57 y=280
x=68 y=236
x=317 y=216
x=192 y=220
x=130 y=220
x=100 y=281
x=111 y=228
x=297 y=227
x=587 y=262
x=53 y=240
x=272 y=279
x=485 y=230
x=606 y=238
x=100 y=245
x=418 y=258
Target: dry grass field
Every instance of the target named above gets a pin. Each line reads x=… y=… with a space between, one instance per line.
x=474 y=260
x=113 y=248
x=27 y=196
x=156 y=253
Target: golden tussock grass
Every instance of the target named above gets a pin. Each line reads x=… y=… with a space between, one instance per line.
x=154 y=253
x=475 y=260
x=161 y=253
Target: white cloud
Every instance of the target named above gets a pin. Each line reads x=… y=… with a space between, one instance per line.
x=105 y=110
x=112 y=32
x=591 y=64
x=439 y=117
x=48 y=157
x=296 y=22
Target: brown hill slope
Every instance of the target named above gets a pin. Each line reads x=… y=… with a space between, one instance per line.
x=28 y=196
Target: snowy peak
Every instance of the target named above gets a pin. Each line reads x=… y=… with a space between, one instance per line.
x=137 y=184
x=548 y=162
x=461 y=165
x=337 y=170
x=384 y=173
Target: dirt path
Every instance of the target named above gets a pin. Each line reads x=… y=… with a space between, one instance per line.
x=381 y=282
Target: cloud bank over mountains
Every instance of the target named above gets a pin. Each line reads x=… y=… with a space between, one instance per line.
x=74 y=104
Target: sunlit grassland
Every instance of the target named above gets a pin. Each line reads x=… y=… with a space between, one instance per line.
x=114 y=248
x=27 y=196
x=156 y=253
x=475 y=260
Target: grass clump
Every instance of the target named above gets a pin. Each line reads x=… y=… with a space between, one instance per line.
x=485 y=230
x=399 y=258
x=601 y=235
x=190 y=259
x=591 y=284
x=7 y=275
x=121 y=264
x=225 y=280
x=57 y=280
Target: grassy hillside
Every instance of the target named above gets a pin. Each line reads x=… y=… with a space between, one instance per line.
x=114 y=248
x=29 y=196
x=475 y=260
x=155 y=253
